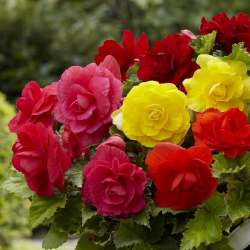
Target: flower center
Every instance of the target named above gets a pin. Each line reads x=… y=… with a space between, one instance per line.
x=156 y=114
x=76 y=107
x=218 y=91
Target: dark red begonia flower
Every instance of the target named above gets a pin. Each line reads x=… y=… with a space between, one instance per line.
x=35 y=105
x=41 y=158
x=124 y=54
x=229 y=31
x=182 y=176
x=227 y=131
x=169 y=61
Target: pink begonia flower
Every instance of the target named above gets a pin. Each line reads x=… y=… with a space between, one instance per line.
x=72 y=143
x=35 y=105
x=112 y=184
x=114 y=141
x=87 y=97
x=39 y=155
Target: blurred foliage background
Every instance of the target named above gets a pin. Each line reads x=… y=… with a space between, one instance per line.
x=39 y=39
x=13 y=211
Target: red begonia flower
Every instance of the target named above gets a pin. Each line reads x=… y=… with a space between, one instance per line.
x=228 y=132
x=182 y=176
x=169 y=61
x=229 y=31
x=124 y=54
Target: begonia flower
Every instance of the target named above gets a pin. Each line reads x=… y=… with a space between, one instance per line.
x=182 y=177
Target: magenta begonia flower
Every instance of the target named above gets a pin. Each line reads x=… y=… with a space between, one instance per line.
x=87 y=97
x=112 y=184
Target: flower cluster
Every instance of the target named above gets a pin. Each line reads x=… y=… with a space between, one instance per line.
x=135 y=155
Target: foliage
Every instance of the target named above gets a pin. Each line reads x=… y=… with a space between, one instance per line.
x=13 y=210
x=40 y=39
x=203 y=44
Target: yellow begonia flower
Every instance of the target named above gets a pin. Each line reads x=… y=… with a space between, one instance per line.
x=153 y=113
x=220 y=84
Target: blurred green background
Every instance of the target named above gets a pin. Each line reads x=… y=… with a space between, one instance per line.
x=39 y=39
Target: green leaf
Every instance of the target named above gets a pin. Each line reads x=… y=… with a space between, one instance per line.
x=114 y=130
x=223 y=244
x=16 y=183
x=132 y=81
x=180 y=222
x=226 y=224
x=74 y=174
x=45 y=207
x=206 y=226
x=203 y=44
x=239 y=53
x=70 y=218
x=143 y=217
x=239 y=202
x=157 y=229
x=132 y=72
x=91 y=152
x=218 y=53
x=54 y=238
x=85 y=243
x=155 y=210
x=223 y=165
x=130 y=233
x=95 y=225
x=167 y=244
x=87 y=213
x=244 y=160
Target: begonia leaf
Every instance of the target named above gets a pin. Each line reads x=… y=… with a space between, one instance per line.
x=86 y=244
x=206 y=226
x=46 y=207
x=239 y=53
x=132 y=72
x=87 y=213
x=223 y=244
x=167 y=244
x=132 y=81
x=155 y=210
x=226 y=224
x=92 y=151
x=203 y=44
x=16 y=183
x=223 y=165
x=70 y=218
x=130 y=233
x=143 y=217
x=180 y=222
x=244 y=160
x=114 y=130
x=54 y=238
x=95 y=225
x=74 y=174
x=238 y=202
